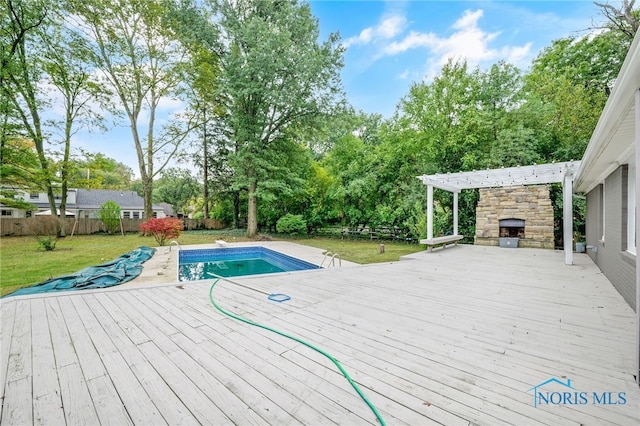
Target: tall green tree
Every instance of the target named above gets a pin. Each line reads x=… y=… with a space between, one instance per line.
x=97 y=171
x=196 y=29
x=51 y=89
x=65 y=66
x=592 y=61
x=444 y=116
x=18 y=166
x=275 y=74
x=141 y=60
x=567 y=88
x=355 y=166
x=20 y=101
x=18 y=157
x=500 y=94
x=176 y=187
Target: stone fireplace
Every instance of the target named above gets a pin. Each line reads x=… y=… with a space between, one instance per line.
x=523 y=212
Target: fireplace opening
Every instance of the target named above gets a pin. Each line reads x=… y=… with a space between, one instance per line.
x=511 y=228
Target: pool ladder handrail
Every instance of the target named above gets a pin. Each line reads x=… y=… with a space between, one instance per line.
x=174 y=241
x=332 y=259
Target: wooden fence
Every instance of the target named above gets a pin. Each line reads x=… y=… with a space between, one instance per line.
x=27 y=227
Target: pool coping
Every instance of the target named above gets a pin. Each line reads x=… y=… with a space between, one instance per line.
x=162 y=268
x=197 y=264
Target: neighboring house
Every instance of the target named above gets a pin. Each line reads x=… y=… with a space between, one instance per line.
x=37 y=199
x=168 y=209
x=607 y=176
x=85 y=203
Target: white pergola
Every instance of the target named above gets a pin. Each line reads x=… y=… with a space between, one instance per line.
x=512 y=176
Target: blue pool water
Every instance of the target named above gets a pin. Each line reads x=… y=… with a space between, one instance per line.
x=233 y=262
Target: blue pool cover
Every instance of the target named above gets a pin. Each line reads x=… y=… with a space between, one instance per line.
x=118 y=271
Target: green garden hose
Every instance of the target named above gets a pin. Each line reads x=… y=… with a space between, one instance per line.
x=307 y=344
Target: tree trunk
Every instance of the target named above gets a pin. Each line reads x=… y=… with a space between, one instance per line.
x=205 y=165
x=236 y=209
x=147 y=188
x=252 y=214
x=64 y=177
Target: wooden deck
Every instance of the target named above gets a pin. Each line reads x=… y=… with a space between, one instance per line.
x=457 y=337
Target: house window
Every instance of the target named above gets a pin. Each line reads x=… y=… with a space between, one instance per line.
x=6 y=213
x=155 y=214
x=136 y=215
x=126 y=215
x=34 y=196
x=631 y=209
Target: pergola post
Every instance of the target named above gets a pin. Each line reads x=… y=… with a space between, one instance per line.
x=567 y=213
x=455 y=213
x=429 y=212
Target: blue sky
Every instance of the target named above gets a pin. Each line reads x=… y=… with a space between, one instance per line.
x=391 y=44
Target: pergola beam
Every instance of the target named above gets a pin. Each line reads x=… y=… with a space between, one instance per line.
x=510 y=176
x=434 y=181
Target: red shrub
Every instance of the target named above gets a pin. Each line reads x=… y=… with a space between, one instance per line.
x=162 y=229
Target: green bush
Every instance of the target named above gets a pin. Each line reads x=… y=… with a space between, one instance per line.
x=291 y=224
x=48 y=243
x=417 y=222
x=46 y=230
x=110 y=216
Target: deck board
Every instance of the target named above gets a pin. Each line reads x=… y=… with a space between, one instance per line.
x=48 y=404
x=86 y=352
x=76 y=398
x=7 y=316
x=107 y=402
x=456 y=337
x=207 y=358
x=416 y=371
x=197 y=401
x=140 y=407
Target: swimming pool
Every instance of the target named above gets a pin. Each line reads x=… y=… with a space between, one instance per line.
x=204 y=264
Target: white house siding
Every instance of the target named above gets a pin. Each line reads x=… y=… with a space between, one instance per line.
x=11 y=213
x=610 y=254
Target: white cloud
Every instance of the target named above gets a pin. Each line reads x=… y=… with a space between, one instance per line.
x=469 y=42
x=412 y=41
x=388 y=28
x=517 y=54
x=469 y=19
x=392 y=26
x=171 y=104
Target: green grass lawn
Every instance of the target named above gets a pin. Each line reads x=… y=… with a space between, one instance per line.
x=24 y=263
x=361 y=251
